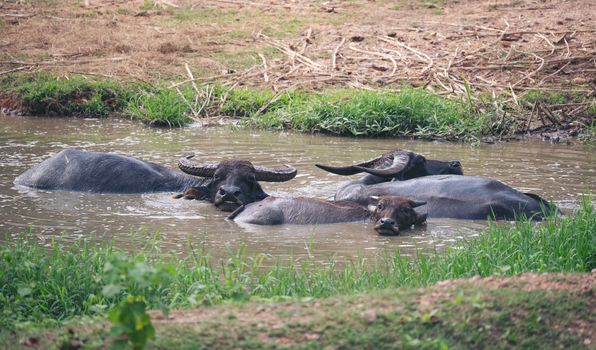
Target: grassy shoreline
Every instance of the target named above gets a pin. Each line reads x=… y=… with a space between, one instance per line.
x=411 y=112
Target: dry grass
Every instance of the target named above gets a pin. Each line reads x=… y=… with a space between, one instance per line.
x=360 y=43
x=482 y=50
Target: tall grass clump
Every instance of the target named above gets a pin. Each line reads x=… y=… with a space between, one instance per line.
x=62 y=282
x=39 y=283
x=375 y=113
x=76 y=96
x=162 y=107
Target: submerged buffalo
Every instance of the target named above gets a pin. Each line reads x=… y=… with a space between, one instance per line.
x=390 y=213
x=397 y=165
x=226 y=183
x=447 y=196
x=457 y=197
x=97 y=172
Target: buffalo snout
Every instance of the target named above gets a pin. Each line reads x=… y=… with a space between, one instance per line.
x=230 y=191
x=228 y=198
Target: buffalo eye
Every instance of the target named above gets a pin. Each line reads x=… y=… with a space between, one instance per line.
x=380 y=206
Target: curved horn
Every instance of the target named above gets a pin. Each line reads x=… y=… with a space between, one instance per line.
x=384 y=160
x=340 y=170
x=190 y=167
x=401 y=161
x=416 y=204
x=275 y=175
x=352 y=169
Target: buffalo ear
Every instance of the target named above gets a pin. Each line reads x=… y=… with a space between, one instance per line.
x=373 y=201
x=416 y=204
x=198 y=193
x=421 y=219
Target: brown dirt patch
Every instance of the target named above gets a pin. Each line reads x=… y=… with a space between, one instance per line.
x=491 y=45
x=271 y=317
x=575 y=283
x=496 y=48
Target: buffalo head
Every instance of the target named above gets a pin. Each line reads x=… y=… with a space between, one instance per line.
x=232 y=183
x=399 y=165
x=394 y=213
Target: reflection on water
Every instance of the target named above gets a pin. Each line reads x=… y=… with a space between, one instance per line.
x=558 y=172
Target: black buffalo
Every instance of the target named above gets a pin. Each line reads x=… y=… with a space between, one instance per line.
x=224 y=183
x=97 y=172
x=232 y=183
x=441 y=184
x=398 y=165
x=389 y=213
x=457 y=197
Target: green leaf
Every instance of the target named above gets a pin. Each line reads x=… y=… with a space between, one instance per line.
x=111 y=290
x=24 y=291
x=119 y=344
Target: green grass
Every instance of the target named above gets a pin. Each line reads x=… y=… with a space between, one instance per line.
x=38 y=284
x=204 y=15
x=162 y=107
x=550 y=97
x=346 y=112
x=365 y=113
x=284 y=28
x=148 y=5
x=253 y=103
x=76 y=96
x=244 y=59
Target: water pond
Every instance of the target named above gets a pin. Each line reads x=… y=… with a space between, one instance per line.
x=558 y=172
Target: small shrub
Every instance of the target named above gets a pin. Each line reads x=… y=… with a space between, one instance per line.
x=145 y=283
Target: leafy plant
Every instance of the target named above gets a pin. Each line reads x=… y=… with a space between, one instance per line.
x=145 y=284
x=131 y=319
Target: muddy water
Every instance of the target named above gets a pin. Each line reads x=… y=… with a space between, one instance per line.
x=560 y=172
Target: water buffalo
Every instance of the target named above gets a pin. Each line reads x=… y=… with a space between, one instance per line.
x=457 y=197
x=390 y=213
x=232 y=183
x=226 y=183
x=97 y=172
x=449 y=194
x=398 y=165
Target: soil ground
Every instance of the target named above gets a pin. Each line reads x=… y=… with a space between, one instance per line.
x=490 y=43
x=491 y=50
